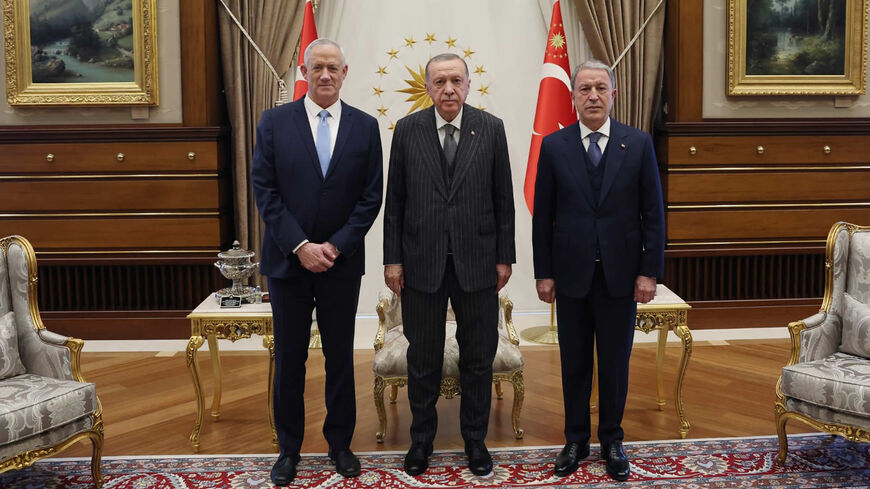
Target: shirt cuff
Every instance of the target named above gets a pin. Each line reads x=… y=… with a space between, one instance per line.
x=299 y=246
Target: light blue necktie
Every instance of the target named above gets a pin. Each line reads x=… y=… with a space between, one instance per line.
x=594 y=151
x=322 y=142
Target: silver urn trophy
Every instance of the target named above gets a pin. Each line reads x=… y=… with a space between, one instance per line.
x=235 y=264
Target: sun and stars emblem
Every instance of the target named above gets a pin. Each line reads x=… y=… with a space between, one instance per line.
x=415 y=86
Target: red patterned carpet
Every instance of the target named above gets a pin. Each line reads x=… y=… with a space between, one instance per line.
x=816 y=461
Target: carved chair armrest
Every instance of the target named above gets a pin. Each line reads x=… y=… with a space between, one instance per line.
x=508 y=306
x=815 y=337
x=51 y=355
x=383 y=304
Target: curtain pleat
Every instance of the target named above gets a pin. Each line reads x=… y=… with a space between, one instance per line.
x=275 y=25
x=609 y=27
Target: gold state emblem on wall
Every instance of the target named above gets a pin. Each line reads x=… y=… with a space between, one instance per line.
x=398 y=82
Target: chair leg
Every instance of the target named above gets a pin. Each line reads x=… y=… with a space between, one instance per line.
x=379 y=407
x=519 y=394
x=96 y=457
x=781 y=419
x=394 y=393
x=499 y=394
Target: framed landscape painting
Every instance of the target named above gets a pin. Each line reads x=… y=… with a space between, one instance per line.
x=797 y=47
x=80 y=52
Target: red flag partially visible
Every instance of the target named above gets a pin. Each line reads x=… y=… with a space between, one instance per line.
x=309 y=33
x=555 y=108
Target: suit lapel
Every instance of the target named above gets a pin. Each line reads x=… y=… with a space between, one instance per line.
x=303 y=133
x=426 y=138
x=468 y=141
x=576 y=161
x=345 y=127
x=615 y=156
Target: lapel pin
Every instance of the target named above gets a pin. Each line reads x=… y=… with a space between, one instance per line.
x=472 y=132
x=622 y=146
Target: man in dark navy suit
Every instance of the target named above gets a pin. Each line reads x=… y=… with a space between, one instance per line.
x=317 y=176
x=598 y=238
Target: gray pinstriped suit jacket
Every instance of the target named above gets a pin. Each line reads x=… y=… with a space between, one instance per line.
x=476 y=209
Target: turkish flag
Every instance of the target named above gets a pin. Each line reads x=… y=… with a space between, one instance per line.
x=309 y=33
x=555 y=108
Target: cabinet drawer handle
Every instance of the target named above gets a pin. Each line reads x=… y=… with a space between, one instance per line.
x=191 y=156
x=827 y=149
x=693 y=150
x=120 y=157
x=760 y=150
x=49 y=157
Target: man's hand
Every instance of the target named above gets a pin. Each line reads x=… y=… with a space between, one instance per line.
x=330 y=250
x=503 y=270
x=316 y=257
x=644 y=289
x=546 y=290
x=394 y=276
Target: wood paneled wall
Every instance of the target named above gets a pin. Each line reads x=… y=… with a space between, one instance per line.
x=749 y=202
x=126 y=220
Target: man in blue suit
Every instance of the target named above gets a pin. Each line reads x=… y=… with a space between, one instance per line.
x=317 y=176
x=598 y=238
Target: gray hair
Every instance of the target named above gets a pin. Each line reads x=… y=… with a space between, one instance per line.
x=592 y=64
x=322 y=41
x=445 y=57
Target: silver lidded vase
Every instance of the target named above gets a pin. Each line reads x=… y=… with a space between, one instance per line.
x=235 y=264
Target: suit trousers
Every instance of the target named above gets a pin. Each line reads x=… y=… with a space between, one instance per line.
x=424 y=318
x=609 y=322
x=293 y=299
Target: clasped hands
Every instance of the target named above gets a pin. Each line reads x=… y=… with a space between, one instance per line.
x=317 y=257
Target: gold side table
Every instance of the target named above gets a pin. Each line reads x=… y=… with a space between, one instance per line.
x=211 y=322
x=666 y=311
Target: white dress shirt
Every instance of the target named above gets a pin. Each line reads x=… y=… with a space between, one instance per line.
x=602 y=142
x=313 y=111
x=440 y=123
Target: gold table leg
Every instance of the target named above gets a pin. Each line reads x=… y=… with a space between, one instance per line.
x=682 y=330
x=192 y=346
x=218 y=381
x=660 y=362
x=269 y=344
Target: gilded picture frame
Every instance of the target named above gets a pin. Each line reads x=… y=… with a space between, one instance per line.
x=797 y=47
x=73 y=53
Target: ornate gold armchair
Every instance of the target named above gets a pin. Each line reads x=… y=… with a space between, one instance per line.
x=391 y=367
x=45 y=404
x=826 y=383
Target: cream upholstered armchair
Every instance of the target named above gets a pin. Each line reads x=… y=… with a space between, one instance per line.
x=391 y=365
x=826 y=382
x=45 y=405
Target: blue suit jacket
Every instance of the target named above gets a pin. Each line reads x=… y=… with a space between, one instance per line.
x=628 y=217
x=297 y=202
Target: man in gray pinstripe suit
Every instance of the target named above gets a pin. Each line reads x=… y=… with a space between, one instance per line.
x=449 y=234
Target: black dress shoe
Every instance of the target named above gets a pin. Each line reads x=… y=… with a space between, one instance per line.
x=616 y=461
x=417 y=459
x=346 y=463
x=284 y=470
x=479 y=460
x=570 y=457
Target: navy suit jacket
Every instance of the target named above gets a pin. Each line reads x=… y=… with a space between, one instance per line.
x=297 y=202
x=628 y=218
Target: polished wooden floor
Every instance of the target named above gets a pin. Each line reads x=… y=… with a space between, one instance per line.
x=148 y=401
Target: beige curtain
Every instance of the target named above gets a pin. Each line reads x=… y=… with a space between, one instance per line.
x=609 y=25
x=275 y=25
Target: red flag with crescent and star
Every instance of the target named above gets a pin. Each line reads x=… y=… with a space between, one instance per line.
x=309 y=33
x=555 y=108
